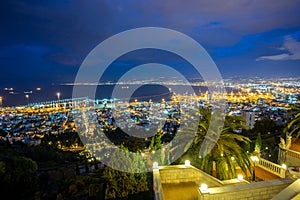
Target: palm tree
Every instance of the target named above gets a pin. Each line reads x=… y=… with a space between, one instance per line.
x=293 y=126
x=227 y=153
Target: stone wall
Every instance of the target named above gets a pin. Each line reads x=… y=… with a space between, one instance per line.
x=256 y=190
x=227 y=190
x=157 y=187
x=291 y=192
x=181 y=173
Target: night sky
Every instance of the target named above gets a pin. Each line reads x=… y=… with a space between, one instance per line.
x=44 y=42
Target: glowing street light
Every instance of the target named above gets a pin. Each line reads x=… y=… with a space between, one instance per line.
x=187 y=163
x=155 y=165
x=1 y=101
x=254 y=158
x=284 y=166
x=203 y=187
x=58 y=95
x=27 y=97
x=240 y=177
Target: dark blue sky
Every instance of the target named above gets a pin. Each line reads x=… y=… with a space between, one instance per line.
x=44 y=42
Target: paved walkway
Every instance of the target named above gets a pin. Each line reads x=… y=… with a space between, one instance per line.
x=180 y=191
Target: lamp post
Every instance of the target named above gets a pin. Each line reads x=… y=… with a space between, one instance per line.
x=255 y=160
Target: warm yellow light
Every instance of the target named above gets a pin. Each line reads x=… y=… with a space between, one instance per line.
x=284 y=166
x=203 y=187
x=254 y=158
x=240 y=177
x=187 y=163
x=155 y=165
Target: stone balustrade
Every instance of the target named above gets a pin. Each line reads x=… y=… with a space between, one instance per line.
x=272 y=167
x=289 y=157
x=293 y=154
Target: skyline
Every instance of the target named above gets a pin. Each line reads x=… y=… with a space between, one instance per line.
x=44 y=43
x=157 y=87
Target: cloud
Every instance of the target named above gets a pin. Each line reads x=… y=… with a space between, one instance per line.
x=69 y=30
x=240 y=16
x=283 y=56
x=290 y=45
